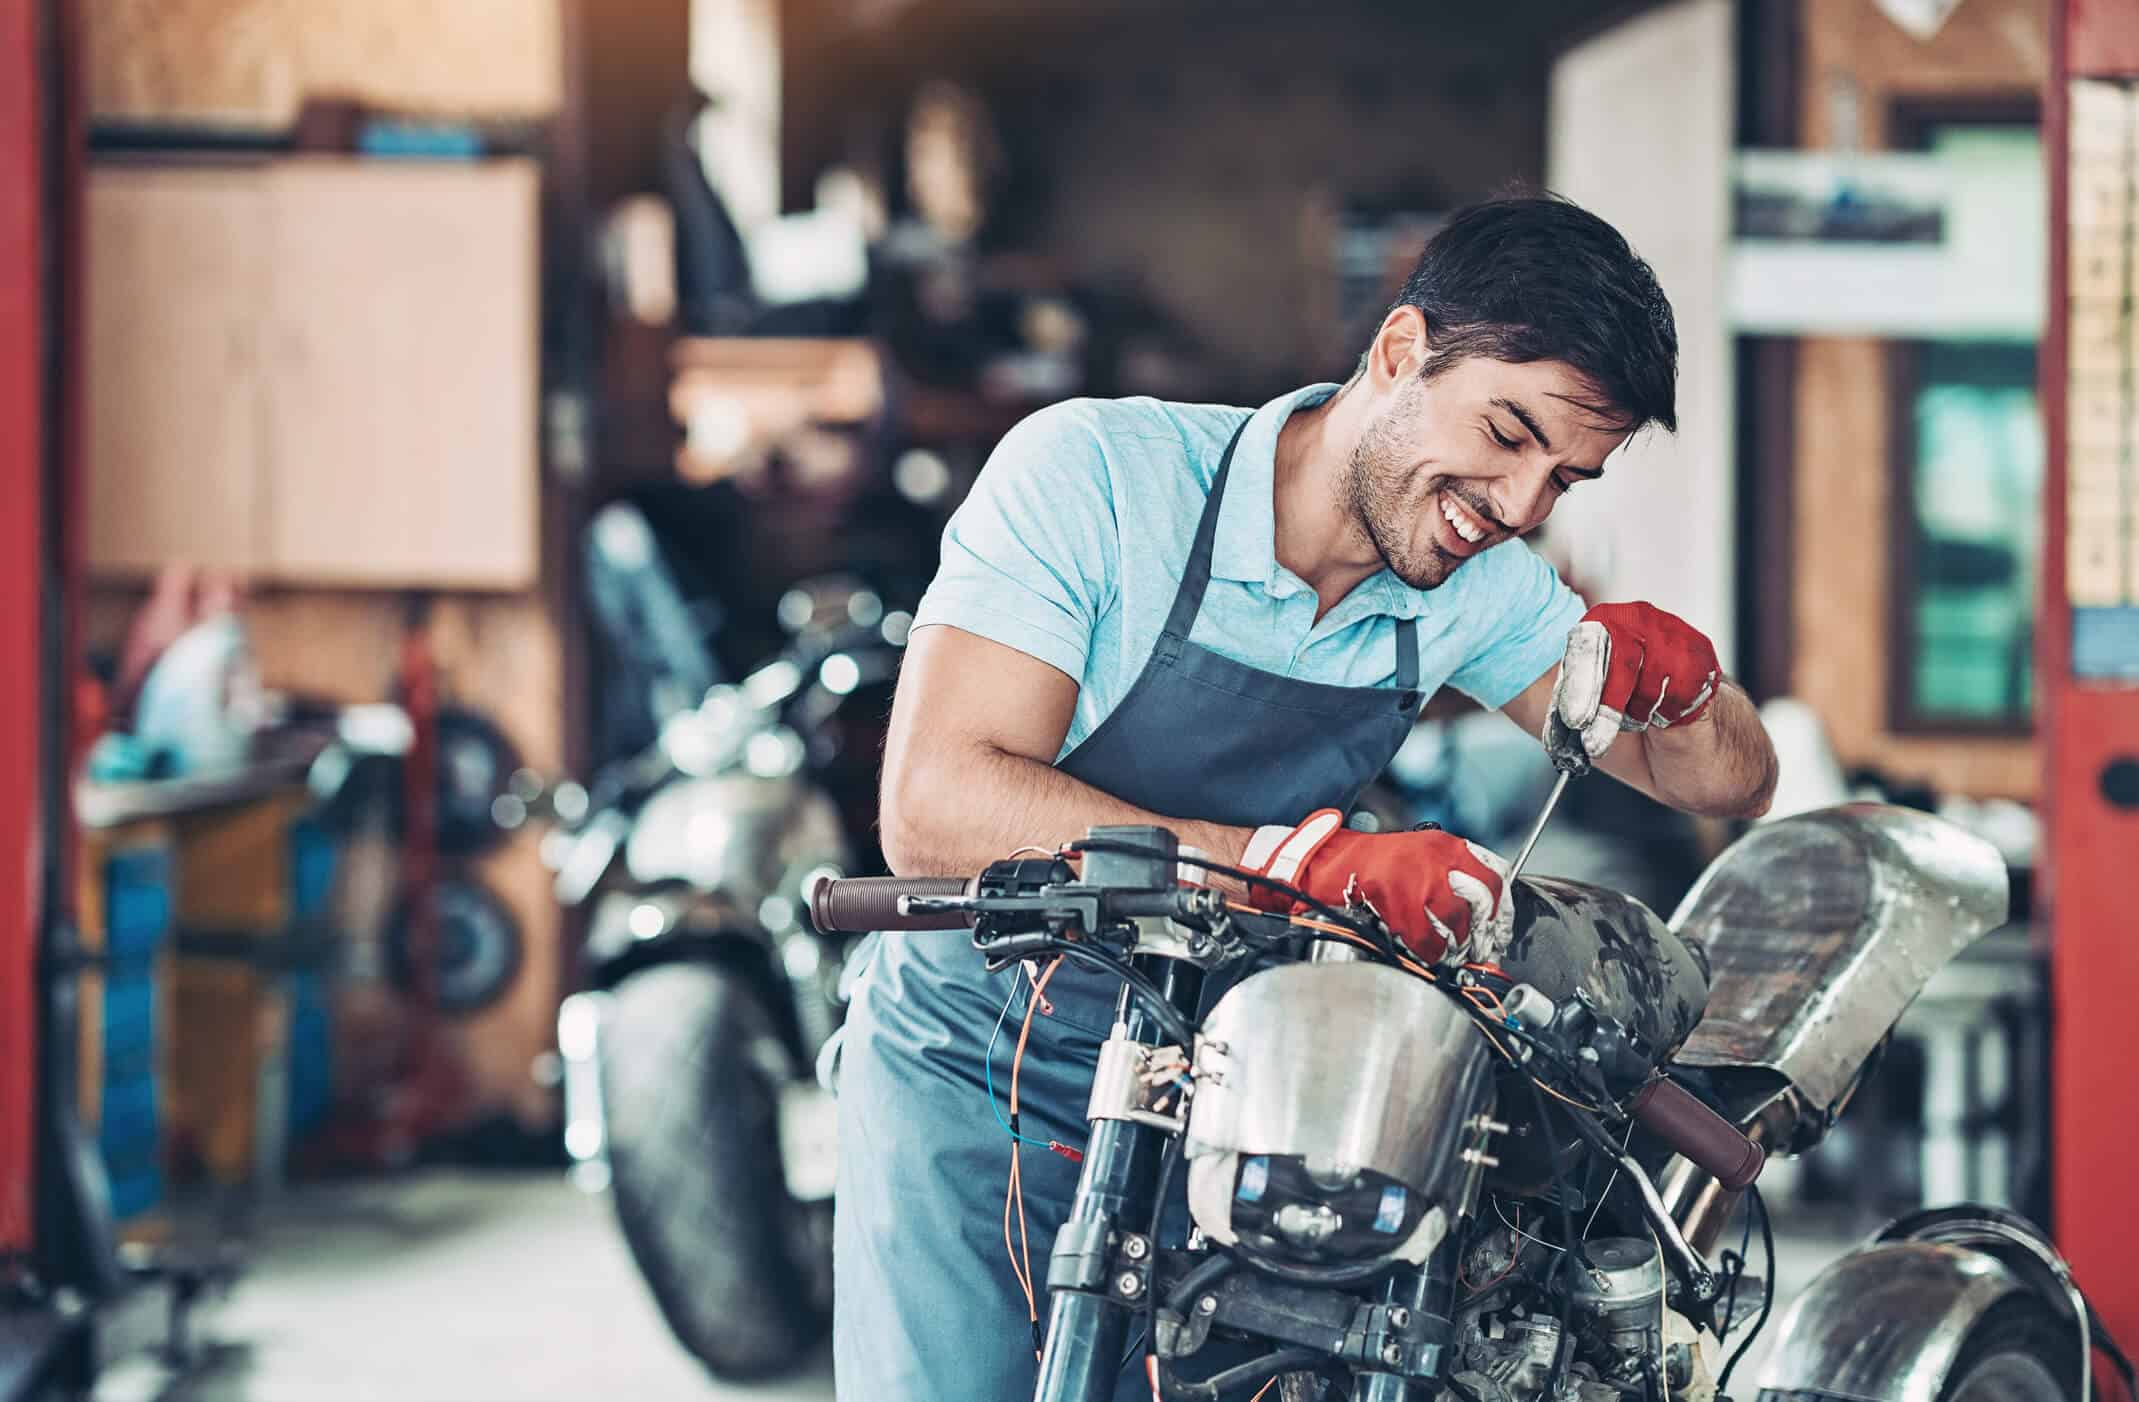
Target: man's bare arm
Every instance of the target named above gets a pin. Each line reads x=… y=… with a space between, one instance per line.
x=1720 y=764
x=969 y=772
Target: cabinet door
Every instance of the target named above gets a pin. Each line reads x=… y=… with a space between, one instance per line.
x=172 y=392
x=402 y=362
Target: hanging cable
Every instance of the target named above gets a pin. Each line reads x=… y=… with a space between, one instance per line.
x=1767 y=1296
x=1245 y=877
x=1573 y=1255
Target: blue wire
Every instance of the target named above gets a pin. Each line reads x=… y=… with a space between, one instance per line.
x=988 y=1061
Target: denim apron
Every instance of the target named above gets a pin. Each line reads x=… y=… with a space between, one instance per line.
x=925 y=1306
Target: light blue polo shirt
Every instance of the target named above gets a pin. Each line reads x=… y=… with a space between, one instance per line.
x=1075 y=535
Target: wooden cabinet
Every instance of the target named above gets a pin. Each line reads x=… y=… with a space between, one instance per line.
x=316 y=371
x=174 y=401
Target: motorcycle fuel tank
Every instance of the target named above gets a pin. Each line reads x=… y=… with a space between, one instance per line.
x=1571 y=937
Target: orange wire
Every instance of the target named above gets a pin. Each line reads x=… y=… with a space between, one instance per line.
x=1352 y=937
x=1258 y=1397
x=1016 y=1188
x=1486 y=1000
x=1010 y=1192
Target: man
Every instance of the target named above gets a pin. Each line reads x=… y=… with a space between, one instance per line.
x=1225 y=622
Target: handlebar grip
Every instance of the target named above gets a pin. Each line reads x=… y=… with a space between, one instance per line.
x=858 y=904
x=1675 y=1115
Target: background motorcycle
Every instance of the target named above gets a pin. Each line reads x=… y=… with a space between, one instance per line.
x=1504 y=1180
x=689 y=1090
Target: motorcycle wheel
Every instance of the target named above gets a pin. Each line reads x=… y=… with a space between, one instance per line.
x=692 y=1068
x=2018 y=1352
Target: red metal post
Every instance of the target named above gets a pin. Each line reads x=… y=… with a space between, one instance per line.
x=2090 y=725
x=24 y=427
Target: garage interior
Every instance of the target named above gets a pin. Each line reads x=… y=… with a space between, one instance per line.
x=416 y=420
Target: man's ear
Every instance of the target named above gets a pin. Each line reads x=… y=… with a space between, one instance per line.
x=1401 y=347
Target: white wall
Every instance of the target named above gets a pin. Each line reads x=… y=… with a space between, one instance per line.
x=735 y=59
x=1640 y=131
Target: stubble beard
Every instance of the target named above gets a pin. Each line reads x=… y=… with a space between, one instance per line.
x=1376 y=495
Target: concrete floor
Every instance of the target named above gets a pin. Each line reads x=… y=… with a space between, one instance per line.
x=448 y=1286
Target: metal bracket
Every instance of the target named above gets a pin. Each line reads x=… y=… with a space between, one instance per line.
x=1384 y=1337
x=1079 y=1260
x=1125 y=1085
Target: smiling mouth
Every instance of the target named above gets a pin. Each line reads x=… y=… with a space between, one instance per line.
x=1464 y=523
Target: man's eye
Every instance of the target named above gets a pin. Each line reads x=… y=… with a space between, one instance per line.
x=1498 y=437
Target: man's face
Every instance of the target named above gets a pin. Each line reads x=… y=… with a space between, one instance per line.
x=1481 y=452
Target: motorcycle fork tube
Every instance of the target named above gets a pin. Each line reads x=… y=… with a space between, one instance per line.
x=1696 y=1201
x=1087 y=1324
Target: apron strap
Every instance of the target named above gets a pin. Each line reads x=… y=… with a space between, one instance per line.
x=1407 y=654
x=1188 y=599
x=1196 y=577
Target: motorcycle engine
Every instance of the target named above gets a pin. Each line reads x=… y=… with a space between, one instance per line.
x=1613 y=1332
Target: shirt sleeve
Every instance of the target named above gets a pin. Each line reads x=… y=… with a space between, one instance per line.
x=1525 y=611
x=1030 y=558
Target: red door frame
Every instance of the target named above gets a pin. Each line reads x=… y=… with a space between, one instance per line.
x=25 y=437
x=2094 y=954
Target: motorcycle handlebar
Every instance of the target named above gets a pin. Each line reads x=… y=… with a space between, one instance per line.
x=1675 y=1115
x=858 y=904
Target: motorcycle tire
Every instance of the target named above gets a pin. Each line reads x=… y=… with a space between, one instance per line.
x=692 y=1068
x=2019 y=1351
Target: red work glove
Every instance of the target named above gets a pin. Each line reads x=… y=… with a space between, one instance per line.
x=1437 y=893
x=1631 y=666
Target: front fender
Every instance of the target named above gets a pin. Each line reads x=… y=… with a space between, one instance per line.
x=1884 y=1323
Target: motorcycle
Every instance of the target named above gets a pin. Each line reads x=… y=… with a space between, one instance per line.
x=687 y=1060
x=1504 y=1176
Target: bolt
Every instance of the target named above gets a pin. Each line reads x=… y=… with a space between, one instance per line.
x=1129 y=1285
x=1392 y=1354
x=1136 y=1248
x=1399 y=1318
x=1207 y=1305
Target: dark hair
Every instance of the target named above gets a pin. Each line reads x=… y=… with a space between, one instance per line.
x=1537 y=277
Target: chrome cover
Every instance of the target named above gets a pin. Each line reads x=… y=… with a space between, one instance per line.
x=1885 y=1324
x=737 y=834
x=2018 y=1245
x=1820 y=929
x=1353 y=1066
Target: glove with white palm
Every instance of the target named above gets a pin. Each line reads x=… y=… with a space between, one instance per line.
x=1445 y=898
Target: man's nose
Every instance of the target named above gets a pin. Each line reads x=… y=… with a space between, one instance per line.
x=1523 y=498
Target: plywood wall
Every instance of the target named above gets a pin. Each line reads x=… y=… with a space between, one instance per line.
x=254 y=62
x=1856 y=61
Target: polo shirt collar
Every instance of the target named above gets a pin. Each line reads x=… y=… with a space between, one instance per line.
x=1245 y=547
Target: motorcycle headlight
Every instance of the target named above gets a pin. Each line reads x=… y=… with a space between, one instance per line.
x=1333 y=1102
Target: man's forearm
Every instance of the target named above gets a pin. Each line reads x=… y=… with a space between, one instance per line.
x=953 y=815
x=1720 y=764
